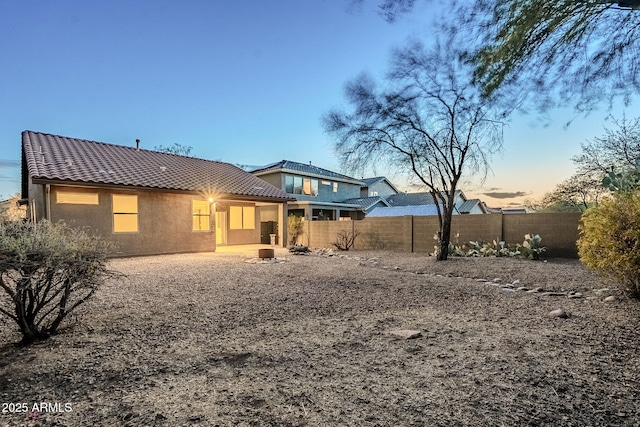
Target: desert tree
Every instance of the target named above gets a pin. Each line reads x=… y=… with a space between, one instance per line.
x=175 y=148
x=618 y=149
x=581 y=52
x=429 y=119
x=575 y=194
x=578 y=51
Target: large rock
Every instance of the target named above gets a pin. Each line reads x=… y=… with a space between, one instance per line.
x=558 y=313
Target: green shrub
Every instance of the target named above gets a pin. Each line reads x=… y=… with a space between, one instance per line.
x=46 y=272
x=609 y=242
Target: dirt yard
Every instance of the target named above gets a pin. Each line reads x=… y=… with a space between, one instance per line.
x=211 y=340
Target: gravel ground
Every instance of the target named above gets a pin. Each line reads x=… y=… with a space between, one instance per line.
x=211 y=340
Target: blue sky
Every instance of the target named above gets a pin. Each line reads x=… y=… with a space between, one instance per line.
x=239 y=81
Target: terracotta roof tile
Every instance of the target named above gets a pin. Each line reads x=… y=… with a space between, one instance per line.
x=53 y=157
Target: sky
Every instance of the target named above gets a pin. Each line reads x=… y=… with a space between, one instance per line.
x=240 y=81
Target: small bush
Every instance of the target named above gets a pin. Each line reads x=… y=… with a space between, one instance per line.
x=609 y=242
x=346 y=239
x=295 y=228
x=46 y=272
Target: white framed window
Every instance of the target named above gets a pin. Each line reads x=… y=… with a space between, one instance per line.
x=201 y=215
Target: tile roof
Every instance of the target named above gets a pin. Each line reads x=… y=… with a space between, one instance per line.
x=304 y=169
x=366 y=202
x=59 y=158
x=468 y=206
x=422 y=210
x=415 y=199
x=371 y=181
x=410 y=199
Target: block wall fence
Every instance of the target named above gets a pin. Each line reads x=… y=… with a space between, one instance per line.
x=559 y=231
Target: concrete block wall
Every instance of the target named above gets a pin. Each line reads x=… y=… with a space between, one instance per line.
x=485 y=228
x=424 y=228
x=395 y=232
x=559 y=231
x=322 y=234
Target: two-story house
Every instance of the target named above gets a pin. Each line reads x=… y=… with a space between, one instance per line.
x=320 y=194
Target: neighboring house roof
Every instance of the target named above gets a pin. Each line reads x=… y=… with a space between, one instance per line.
x=410 y=199
x=319 y=204
x=415 y=199
x=469 y=205
x=371 y=181
x=494 y=210
x=62 y=159
x=422 y=210
x=304 y=169
x=514 y=211
x=366 y=202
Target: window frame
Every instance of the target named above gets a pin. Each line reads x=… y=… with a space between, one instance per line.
x=246 y=222
x=74 y=198
x=116 y=214
x=200 y=216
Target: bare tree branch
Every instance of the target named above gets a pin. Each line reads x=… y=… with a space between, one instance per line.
x=429 y=118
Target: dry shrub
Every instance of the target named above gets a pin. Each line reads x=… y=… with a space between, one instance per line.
x=609 y=240
x=346 y=239
x=46 y=272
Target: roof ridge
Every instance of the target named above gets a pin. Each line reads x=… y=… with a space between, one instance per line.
x=121 y=146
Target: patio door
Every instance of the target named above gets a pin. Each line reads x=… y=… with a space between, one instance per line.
x=221 y=228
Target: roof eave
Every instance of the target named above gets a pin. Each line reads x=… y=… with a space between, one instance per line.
x=311 y=175
x=86 y=184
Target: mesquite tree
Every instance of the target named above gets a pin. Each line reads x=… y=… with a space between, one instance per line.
x=430 y=119
x=580 y=52
x=46 y=272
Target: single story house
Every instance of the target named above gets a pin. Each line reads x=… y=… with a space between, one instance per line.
x=148 y=202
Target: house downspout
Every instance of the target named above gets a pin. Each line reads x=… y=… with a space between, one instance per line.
x=47 y=212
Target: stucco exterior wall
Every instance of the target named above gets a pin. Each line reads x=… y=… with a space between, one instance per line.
x=244 y=236
x=381 y=188
x=325 y=192
x=164 y=222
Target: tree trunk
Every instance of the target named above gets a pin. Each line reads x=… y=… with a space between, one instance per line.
x=445 y=234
